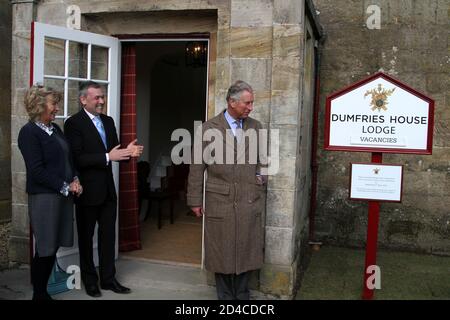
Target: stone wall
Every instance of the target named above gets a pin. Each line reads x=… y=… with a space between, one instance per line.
x=412 y=46
x=5 y=130
x=5 y=111
x=23 y=13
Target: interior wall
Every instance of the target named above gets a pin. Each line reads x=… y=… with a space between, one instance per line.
x=170 y=95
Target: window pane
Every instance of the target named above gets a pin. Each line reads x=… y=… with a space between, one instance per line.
x=72 y=100
x=54 y=51
x=78 y=59
x=57 y=85
x=99 y=63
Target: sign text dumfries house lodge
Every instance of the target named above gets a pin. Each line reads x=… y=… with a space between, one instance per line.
x=379 y=114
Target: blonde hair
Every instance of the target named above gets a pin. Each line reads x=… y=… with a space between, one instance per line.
x=35 y=100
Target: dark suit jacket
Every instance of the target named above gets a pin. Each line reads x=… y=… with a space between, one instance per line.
x=90 y=160
x=44 y=159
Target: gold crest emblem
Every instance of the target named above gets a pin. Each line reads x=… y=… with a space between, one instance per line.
x=379 y=97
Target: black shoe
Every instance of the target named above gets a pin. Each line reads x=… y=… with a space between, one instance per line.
x=116 y=287
x=92 y=290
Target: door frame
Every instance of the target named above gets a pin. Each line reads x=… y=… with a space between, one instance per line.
x=179 y=37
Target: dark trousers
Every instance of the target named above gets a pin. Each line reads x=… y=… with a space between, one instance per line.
x=87 y=217
x=41 y=269
x=232 y=286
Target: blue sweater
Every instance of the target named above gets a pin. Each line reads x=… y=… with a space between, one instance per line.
x=44 y=159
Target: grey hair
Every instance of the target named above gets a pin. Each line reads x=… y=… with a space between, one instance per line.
x=84 y=87
x=236 y=89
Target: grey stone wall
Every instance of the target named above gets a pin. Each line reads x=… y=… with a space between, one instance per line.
x=5 y=111
x=23 y=13
x=412 y=46
x=288 y=190
x=5 y=130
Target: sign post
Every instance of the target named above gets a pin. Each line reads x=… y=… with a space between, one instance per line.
x=372 y=235
x=379 y=115
x=374 y=182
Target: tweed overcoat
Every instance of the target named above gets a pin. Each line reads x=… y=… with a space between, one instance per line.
x=234 y=203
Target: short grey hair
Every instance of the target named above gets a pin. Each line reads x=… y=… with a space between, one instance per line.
x=84 y=87
x=236 y=89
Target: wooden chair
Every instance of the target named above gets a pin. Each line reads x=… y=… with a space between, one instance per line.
x=171 y=185
x=160 y=195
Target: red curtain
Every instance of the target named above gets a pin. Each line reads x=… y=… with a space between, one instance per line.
x=129 y=232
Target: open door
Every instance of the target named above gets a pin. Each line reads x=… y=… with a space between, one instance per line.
x=62 y=58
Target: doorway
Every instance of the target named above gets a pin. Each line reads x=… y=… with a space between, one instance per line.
x=171 y=93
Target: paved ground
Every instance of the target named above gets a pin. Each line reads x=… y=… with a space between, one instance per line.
x=337 y=273
x=149 y=281
x=334 y=273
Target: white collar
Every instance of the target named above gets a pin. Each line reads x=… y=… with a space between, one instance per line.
x=91 y=116
x=231 y=120
x=48 y=129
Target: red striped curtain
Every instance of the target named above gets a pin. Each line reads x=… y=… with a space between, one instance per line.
x=129 y=232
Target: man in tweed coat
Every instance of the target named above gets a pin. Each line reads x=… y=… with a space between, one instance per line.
x=234 y=199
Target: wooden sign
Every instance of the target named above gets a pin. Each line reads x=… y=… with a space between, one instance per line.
x=379 y=114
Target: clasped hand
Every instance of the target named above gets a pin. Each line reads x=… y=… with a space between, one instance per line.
x=75 y=187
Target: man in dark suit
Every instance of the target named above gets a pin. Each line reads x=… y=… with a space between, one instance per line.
x=94 y=143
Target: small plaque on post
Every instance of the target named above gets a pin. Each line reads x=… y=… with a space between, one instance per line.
x=376 y=182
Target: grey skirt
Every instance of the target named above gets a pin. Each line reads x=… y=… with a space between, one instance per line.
x=51 y=218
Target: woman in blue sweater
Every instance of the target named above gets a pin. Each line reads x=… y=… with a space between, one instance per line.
x=51 y=183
